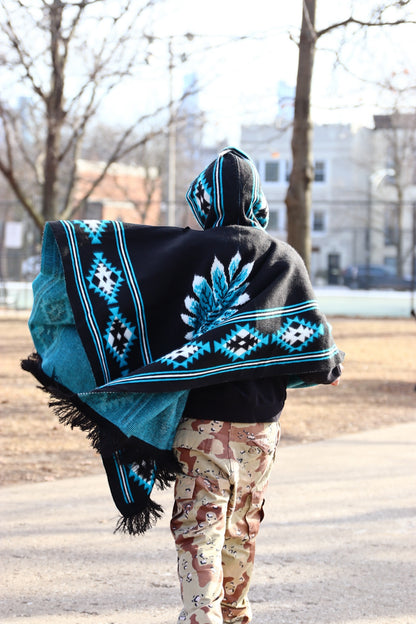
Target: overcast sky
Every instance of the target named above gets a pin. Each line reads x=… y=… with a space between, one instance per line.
x=240 y=80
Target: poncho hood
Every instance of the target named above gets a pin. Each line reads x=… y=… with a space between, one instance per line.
x=228 y=192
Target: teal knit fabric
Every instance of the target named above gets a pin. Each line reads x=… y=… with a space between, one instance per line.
x=52 y=324
x=151 y=417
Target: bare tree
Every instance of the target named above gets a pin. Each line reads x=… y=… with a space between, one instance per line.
x=299 y=193
x=65 y=57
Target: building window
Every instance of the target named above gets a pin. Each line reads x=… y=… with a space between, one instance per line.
x=320 y=171
x=271 y=173
x=288 y=170
x=318 y=221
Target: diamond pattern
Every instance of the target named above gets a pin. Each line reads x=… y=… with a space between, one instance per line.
x=120 y=336
x=203 y=197
x=186 y=354
x=94 y=228
x=105 y=279
x=242 y=341
x=296 y=333
x=138 y=473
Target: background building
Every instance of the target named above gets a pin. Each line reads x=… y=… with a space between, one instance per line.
x=127 y=193
x=354 y=203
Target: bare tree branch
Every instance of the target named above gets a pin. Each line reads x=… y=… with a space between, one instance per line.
x=362 y=23
x=120 y=150
x=18 y=46
x=298 y=197
x=20 y=195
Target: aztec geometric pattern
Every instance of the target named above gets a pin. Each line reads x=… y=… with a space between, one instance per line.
x=226 y=330
x=136 y=472
x=120 y=336
x=295 y=334
x=202 y=199
x=104 y=278
x=94 y=229
x=186 y=354
x=241 y=342
x=259 y=207
x=215 y=302
x=57 y=310
x=261 y=211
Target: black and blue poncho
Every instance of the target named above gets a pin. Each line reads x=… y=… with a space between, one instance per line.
x=128 y=318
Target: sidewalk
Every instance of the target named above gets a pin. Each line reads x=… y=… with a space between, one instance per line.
x=338 y=544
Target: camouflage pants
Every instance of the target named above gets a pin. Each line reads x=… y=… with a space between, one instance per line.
x=217 y=514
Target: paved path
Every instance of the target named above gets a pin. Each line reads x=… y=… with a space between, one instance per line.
x=338 y=545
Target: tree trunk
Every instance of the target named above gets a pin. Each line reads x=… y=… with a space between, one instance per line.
x=299 y=193
x=55 y=113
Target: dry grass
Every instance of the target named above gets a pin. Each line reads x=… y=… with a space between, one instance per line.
x=377 y=390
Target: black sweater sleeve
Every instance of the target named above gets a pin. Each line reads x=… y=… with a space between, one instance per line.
x=323 y=378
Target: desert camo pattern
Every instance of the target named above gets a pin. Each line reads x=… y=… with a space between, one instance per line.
x=217 y=513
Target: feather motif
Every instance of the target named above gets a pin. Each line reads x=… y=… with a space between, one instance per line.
x=234 y=264
x=213 y=304
x=219 y=281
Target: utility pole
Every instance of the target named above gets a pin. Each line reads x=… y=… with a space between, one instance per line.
x=171 y=144
x=412 y=308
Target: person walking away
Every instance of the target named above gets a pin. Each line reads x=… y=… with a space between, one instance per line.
x=227 y=440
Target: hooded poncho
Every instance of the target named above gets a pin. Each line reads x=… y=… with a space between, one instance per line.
x=128 y=318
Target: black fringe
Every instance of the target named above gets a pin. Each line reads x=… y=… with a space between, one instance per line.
x=105 y=437
x=139 y=523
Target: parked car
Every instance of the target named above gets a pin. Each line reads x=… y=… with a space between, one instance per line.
x=373 y=276
x=30 y=267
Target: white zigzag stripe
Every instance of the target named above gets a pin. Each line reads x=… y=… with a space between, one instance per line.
x=85 y=299
x=137 y=297
x=172 y=376
x=273 y=312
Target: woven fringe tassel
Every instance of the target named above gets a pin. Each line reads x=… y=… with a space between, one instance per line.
x=69 y=414
x=105 y=438
x=71 y=411
x=141 y=522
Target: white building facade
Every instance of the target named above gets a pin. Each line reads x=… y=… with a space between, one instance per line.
x=353 y=195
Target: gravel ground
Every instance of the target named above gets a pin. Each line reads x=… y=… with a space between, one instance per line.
x=377 y=390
